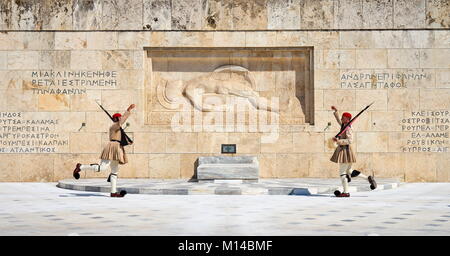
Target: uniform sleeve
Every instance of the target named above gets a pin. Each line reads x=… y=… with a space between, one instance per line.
x=115 y=126
x=124 y=117
x=349 y=140
x=336 y=115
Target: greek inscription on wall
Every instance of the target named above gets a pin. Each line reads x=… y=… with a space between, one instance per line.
x=381 y=80
x=19 y=134
x=71 y=82
x=429 y=131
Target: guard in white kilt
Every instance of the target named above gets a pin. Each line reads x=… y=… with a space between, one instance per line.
x=113 y=153
x=345 y=157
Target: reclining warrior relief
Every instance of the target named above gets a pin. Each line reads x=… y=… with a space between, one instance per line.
x=227 y=80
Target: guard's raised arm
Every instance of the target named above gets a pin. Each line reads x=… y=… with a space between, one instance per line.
x=336 y=115
x=125 y=115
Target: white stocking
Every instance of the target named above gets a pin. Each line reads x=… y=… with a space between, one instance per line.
x=103 y=166
x=362 y=176
x=343 y=169
x=114 y=172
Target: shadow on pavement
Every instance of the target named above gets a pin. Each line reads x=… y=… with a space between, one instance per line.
x=310 y=195
x=323 y=195
x=82 y=195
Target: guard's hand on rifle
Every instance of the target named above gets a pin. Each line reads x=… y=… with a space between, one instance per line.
x=131 y=107
x=335 y=139
x=334 y=108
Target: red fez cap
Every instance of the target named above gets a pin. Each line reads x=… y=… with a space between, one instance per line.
x=348 y=115
x=117 y=115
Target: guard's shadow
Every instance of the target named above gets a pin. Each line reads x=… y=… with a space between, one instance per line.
x=82 y=195
x=302 y=192
x=322 y=195
x=308 y=195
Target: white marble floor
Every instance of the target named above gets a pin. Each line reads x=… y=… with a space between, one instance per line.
x=44 y=209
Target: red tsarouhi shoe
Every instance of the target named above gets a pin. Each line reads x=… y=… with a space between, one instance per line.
x=121 y=194
x=338 y=193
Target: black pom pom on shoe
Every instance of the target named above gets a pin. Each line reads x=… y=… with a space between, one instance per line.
x=373 y=183
x=76 y=172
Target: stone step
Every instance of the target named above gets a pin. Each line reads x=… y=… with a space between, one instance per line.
x=297 y=186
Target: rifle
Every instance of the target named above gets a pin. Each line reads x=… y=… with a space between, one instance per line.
x=343 y=129
x=124 y=139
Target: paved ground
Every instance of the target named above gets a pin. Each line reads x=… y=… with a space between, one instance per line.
x=300 y=186
x=44 y=209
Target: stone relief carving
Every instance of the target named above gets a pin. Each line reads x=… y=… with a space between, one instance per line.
x=224 y=81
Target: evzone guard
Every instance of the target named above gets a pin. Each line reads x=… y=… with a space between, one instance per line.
x=113 y=153
x=344 y=155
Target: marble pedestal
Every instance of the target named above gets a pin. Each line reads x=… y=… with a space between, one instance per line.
x=221 y=168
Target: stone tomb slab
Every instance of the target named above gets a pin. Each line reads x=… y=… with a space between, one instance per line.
x=223 y=168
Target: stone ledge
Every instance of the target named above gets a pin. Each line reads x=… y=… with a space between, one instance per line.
x=298 y=186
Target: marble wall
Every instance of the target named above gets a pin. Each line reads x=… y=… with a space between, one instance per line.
x=58 y=57
x=222 y=14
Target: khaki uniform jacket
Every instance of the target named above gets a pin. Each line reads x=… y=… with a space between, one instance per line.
x=344 y=152
x=113 y=150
